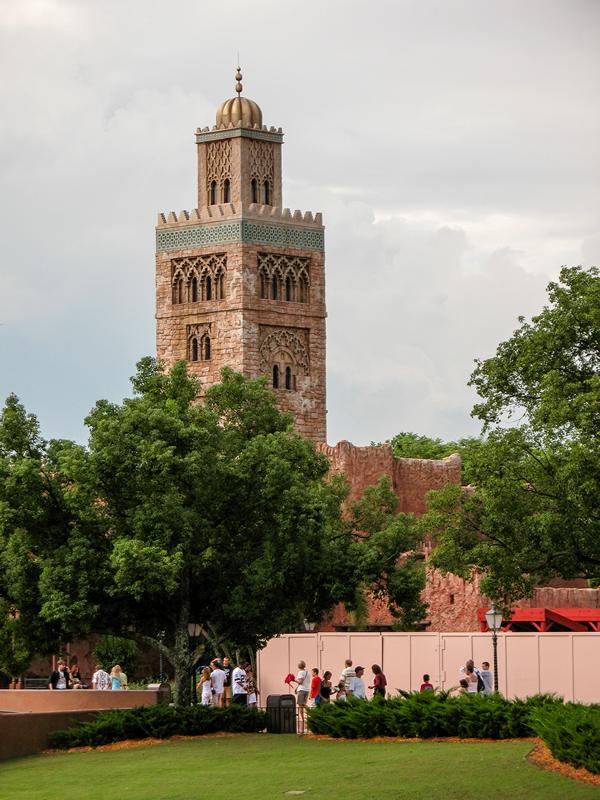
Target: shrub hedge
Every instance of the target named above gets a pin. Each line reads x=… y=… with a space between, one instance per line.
x=429 y=714
x=159 y=722
x=572 y=733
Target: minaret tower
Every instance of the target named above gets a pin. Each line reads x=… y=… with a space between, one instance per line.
x=240 y=280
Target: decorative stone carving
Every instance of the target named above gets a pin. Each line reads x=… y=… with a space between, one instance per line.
x=262 y=165
x=218 y=162
x=287 y=345
x=290 y=273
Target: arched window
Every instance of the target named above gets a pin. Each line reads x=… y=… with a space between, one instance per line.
x=267 y=193
x=213 y=193
x=303 y=289
x=206 y=348
x=194 y=349
x=288 y=377
x=275 y=377
x=194 y=290
x=254 y=190
x=274 y=288
x=208 y=287
x=178 y=291
x=226 y=191
x=220 y=286
x=264 y=294
x=289 y=289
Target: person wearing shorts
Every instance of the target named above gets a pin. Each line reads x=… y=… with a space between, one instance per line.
x=227 y=669
x=217 y=679
x=302 y=681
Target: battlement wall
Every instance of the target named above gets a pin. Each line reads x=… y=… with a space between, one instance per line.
x=254 y=211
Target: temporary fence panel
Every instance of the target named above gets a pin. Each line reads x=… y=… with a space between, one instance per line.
x=556 y=665
x=334 y=650
x=528 y=663
x=395 y=660
x=365 y=650
x=586 y=657
x=424 y=658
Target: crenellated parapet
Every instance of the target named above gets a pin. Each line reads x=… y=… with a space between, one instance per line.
x=230 y=222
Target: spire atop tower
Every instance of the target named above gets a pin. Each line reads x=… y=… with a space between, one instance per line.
x=239 y=111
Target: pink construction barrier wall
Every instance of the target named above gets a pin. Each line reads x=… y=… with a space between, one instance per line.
x=528 y=663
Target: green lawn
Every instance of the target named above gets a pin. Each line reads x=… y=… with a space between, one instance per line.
x=260 y=767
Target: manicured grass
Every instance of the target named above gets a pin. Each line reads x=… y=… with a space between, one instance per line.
x=261 y=767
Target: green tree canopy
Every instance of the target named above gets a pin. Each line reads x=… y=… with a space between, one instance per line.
x=181 y=513
x=534 y=514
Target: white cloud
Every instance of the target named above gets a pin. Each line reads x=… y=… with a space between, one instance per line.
x=452 y=147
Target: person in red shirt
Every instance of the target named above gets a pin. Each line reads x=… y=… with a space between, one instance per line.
x=426 y=686
x=315 y=687
x=379 y=681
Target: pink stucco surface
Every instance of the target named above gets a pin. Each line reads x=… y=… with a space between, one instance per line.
x=45 y=700
x=528 y=663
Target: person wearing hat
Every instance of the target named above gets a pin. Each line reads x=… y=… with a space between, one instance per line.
x=358 y=685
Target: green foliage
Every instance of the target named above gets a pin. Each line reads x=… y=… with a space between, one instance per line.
x=177 y=512
x=430 y=714
x=385 y=556
x=111 y=650
x=572 y=733
x=159 y=722
x=413 y=445
x=534 y=513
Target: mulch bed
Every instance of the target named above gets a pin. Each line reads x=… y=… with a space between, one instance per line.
x=542 y=757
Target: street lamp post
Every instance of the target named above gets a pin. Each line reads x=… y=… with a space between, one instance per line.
x=494 y=623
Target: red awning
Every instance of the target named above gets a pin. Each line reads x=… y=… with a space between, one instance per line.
x=548 y=619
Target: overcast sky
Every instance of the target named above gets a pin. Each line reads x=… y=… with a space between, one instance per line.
x=453 y=147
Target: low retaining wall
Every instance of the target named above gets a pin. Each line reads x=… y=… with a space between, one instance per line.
x=24 y=734
x=46 y=700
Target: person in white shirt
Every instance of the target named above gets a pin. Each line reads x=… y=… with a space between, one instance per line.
x=101 y=679
x=302 y=690
x=358 y=685
x=238 y=685
x=217 y=679
x=347 y=676
x=487 y=677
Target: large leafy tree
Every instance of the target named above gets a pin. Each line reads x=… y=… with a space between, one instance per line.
x=535 y=512
x=182 y=525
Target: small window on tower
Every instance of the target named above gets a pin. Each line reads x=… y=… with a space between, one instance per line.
x=267 y=193
x=288 y=377
x=274 y=288
x=275 y=377
x=206 y=348
x=289 y=292
x=226 y=191
x=213 y=193
x=194 y=349
x=208 y=287
x=254 y=190
x=194 y=290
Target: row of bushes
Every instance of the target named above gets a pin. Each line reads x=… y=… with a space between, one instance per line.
x=429 y=714
x=571 y=731
x=159 y=722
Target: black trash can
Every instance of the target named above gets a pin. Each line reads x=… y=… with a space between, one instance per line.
x=281 y=713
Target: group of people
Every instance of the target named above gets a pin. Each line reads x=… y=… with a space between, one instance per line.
x=64 y=677
x=315 y=689
x=220 y=683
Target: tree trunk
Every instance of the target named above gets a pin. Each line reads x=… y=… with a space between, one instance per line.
x=182 y=664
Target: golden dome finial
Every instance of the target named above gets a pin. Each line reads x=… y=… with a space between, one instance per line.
x=239 y=111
